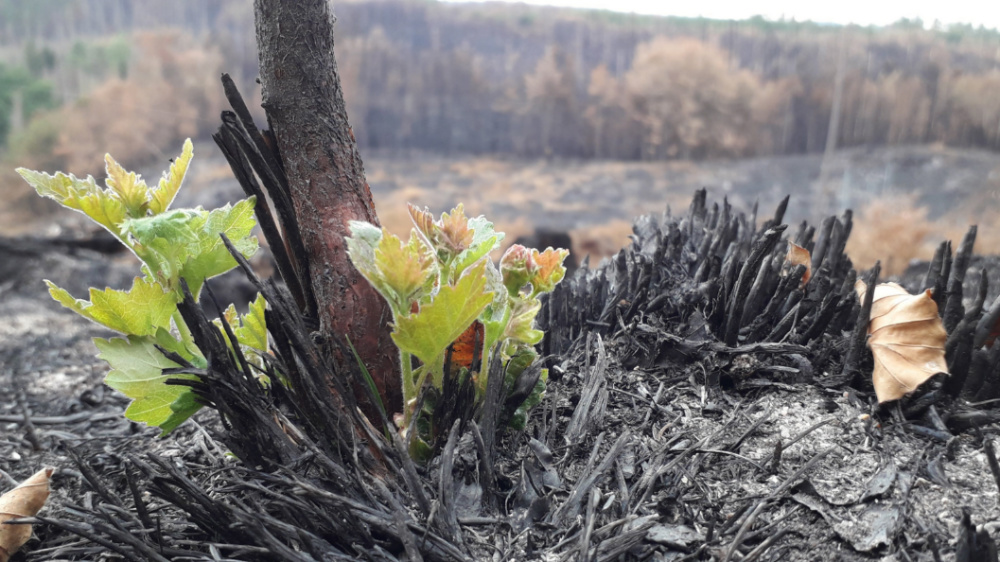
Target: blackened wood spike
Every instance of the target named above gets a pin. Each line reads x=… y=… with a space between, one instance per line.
x=273 y=176
x=941 y=283
x=934 y=269
x=761 y=249
x=729 y=273
x=448 y=514
x=800 y=234
x=844 y=314
x=752 y=220
x=953 y=310
x=240 y=108
x=791 y=301
x=822 y=242
x=835 y=248
x=755 y=299
x=849 y=280
x=283 y=207
x=779 y=213
x=859 y=336
x=990 y=386
x=821 y=320
x=975 y=312
x=848 y=220
x=787 y=284
x=697 y=208
x=958 y=350
x=489 y=416
x=808 y=242
x=711 y=246
x=846 y=224
x=713 y=217
x=991 y=457
x=987 y=323
x=784 y=325
x=487 y=479
x=979 y=369
x=227 y=143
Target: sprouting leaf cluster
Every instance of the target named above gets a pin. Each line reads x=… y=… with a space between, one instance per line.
x=172 y=245
x=441 y=286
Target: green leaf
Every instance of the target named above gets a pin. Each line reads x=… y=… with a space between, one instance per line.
x=163 y=242
x=140 y=311
x=361 y=245
x=163 y=195
x=496 y=316
x=128 y=187
x=401 y=273
x=515 y=266
x=406 y=270
x=428 y=332
x=127 y=195
x=210 y=257
x=252 y=328
x=485 y=239
x=186 y=243
x=80 y=195
x=137 y=372
x=522 y=322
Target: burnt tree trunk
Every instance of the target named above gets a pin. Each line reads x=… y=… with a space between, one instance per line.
x=326 y=179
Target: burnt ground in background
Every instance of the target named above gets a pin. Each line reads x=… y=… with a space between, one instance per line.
x=656 y=440
x=961 y=186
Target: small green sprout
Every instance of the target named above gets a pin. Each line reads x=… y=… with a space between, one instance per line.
x=439 y=284
x=172 y=245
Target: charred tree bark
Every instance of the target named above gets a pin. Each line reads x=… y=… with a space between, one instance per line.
x=326 y=180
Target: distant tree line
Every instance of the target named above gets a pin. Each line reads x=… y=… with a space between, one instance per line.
x=499 y=79
x=659 y=89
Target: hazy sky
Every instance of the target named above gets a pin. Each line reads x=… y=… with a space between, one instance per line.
x=864 y=12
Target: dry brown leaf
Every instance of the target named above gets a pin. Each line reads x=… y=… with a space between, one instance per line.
x=23 y=501
x=797 y=255
x=907 y=339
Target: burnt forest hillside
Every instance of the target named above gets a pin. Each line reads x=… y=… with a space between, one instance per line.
x=508 y=79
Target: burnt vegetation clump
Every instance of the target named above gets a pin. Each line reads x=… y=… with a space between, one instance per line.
x=704 y=403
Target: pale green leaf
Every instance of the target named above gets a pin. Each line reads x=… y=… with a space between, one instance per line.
x=361 y=245
x=105 y=211
x=163 y=195
x=408 y=270
x=80 y=195
x=428 y=333
x=210 y=257
x=137 y=372
x=485 y=239
x=186 y=243
x=164 y=242
x=522 y=322
x=252 y=328
x=496 y=316
x=364 y=240
x=128 y=187
x=139 y=311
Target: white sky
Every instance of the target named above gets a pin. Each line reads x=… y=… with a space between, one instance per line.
x=863 y=12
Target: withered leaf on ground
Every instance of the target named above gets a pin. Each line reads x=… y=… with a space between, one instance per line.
x=797 y=255
x=907 y=339
x=23 y=501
